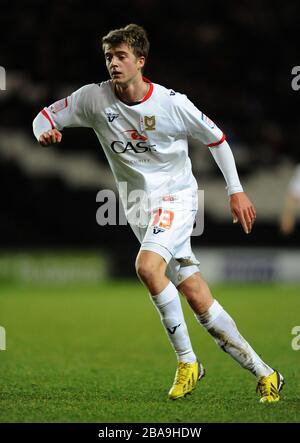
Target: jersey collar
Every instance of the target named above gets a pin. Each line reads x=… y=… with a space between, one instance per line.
x=147 y=96
x=149 y=93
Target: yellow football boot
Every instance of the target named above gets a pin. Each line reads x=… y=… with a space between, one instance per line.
x=269 y=387
x=186 y=378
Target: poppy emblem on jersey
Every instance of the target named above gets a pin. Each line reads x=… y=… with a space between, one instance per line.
x=149 y=123
x=134 y=135
x=59 y=105
x=111 y=116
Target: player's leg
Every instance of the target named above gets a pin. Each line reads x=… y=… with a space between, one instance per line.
x=223 y=329
x=220 y=325
x=151 y=269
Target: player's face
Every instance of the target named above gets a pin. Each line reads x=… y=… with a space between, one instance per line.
x=123 y=66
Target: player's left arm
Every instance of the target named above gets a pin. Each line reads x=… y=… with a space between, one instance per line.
x=241 y=207
x=196 y=124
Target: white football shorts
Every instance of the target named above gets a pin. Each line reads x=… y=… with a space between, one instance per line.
x=169 y=235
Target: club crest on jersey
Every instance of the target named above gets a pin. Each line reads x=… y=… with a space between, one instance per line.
x=149 y=123
x=208 y=121
x=59 y=105
x=157 y=230
x=111 y=116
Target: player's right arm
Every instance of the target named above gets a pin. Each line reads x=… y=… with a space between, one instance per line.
x=74 y=110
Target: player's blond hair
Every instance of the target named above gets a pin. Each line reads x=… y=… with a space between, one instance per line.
x=133 y=35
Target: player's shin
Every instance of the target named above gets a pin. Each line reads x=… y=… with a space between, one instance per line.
x=224 y=331
x=168 y=304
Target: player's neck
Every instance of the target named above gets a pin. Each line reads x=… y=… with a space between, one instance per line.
x=133 y=92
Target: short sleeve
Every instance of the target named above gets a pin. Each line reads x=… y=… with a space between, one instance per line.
x=74 y=110
x=196 y=124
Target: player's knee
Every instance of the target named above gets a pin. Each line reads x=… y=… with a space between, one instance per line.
x=197 y=293
x=193 y=285
x=148 y=269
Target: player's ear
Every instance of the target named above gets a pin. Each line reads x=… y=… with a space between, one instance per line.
x=141 y=61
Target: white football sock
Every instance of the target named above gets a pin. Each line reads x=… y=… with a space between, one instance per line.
x=169 y=306
x=225 y=333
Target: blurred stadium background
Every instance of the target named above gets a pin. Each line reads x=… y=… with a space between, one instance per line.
x=233 y=59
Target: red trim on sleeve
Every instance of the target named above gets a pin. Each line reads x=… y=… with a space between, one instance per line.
x=217 y=143
x=46 y=115
x=149 y=93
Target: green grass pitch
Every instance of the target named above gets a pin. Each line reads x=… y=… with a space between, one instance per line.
x=90 y=353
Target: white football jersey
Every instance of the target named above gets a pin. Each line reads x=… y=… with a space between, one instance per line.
x=145 y=143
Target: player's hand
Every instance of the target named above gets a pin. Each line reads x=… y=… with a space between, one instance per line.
x=51 y=137
x=242 y=211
